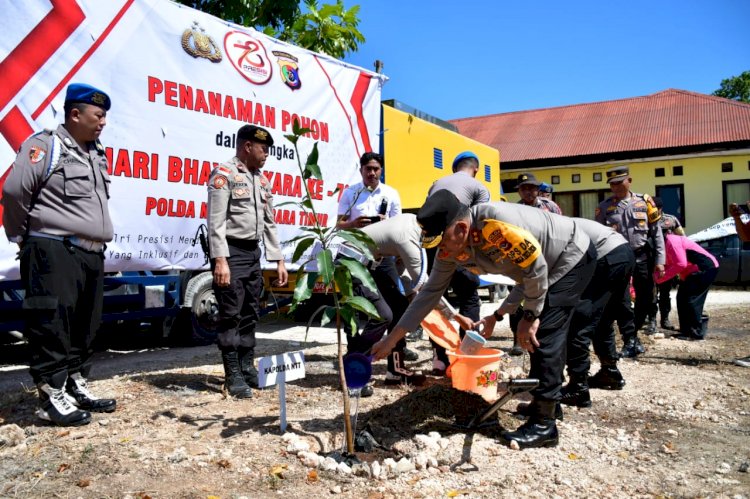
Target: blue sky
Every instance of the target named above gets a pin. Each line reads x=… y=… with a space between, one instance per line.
x=457 y=59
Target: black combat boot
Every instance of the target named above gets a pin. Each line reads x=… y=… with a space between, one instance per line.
x=608 y=377
x=234 y=383
x=57 y=407
x=516 y=350
x=667 y=324
x=525 y=408
x=650 y=326
x=249 y=372
x=397 y=373
x=631 y=348
x=78 y=388
x=540 y=430
x=576 y=392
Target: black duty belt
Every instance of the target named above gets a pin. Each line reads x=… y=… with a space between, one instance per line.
x=243 y=244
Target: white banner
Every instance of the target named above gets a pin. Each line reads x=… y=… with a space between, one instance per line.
x=181 y=83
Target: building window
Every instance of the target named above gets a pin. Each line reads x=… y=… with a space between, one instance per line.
x=726 y=167
x=659 y=172
x=598 y=177
x=735 y=191
x=555 y=179
x=487 y=173
x=437 y=157
x=580 y=204
x=677 y=171
x=576 y=178
x=673 y=200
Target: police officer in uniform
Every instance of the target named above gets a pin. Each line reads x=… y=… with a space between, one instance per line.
x=469 y=191
x=55 y=203
x=398 y=237
x=669 y=225
x=240 y=214
x=549 y=257
x=636 y=217
x=545 y=190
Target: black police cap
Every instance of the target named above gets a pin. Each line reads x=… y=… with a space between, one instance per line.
x=255 y=134
x=527 y=179
x=438 y=211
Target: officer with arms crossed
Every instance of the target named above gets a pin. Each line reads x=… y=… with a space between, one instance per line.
x=636 y=217
x=55 y=203
x=469 y=191
x=547 y=255
x=240 y=213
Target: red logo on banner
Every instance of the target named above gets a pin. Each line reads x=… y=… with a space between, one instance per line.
x=248 y=56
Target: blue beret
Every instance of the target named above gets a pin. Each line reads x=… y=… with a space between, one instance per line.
x=80 y=92
x=464 y=155
x=545 y=187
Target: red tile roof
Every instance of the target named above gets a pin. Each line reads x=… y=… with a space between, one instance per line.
x=668 y=119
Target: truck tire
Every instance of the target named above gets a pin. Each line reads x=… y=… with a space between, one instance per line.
x=205 y=314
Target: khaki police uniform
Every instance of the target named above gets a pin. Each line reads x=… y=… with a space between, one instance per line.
x=240 y=217
x=55 y=202
x=550 y=258
x=465 y=284
x=637 y=219
x=399 y=237
x=600 y=301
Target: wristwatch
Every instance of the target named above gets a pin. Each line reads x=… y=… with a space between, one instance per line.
x=529 y=316
x=498 y=317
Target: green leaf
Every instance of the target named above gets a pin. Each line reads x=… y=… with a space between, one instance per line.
x=343 y=280
x=304 y=287
x=358 y=271
x=312 y=159
x=301 y=247
x=285 y=203
x=313 y=171
x=363 y=305
x=325 y=266
x=329 y=315
x=349 y=316
x=291 y=138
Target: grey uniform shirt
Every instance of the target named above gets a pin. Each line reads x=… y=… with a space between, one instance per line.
x=604 y=238
x=544 y=204
x=466 y=188
x=637 y=219
x=240 y=206
x=401 y=236
x=533 y=247
x=74 y=200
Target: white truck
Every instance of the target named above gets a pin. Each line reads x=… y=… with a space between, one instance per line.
x=182 y=83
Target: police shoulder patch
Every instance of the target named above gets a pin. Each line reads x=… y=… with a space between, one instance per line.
x=219 y=181
x=36 y=154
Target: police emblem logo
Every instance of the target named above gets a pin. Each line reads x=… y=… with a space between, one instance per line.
x=36 y=154
x=197 y=43
x=220 y=181
x=239 y=178
x=98 y=98
x=288 y=69
x=248 y=56
x=261 y=135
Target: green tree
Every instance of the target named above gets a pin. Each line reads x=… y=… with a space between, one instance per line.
x=336 y=275
x=735 y=88
x=330 y=29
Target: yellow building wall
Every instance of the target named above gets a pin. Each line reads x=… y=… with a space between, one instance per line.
x=408 y=147
x=702 y=178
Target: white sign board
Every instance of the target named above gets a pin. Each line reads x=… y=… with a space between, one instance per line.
x=280 y=369
x=181 y=83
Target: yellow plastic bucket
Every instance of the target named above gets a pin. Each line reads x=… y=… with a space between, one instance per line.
x=478 y=373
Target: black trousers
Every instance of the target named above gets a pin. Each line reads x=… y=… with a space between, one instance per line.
x=548 y=359
x=643 y=283
x=465 y=288
x=691 y=297
x=390 y=303
x=595 y=312
x=64 y=288
x=239 y=303
x=664 y=300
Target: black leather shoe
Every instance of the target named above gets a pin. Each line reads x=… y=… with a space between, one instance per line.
x=77 y=387
x=576 y=394
x=608 y=378
x=524 y=409
x=685 y=337
x=650 y=327
x=666 y=324
x=251 y=376
x=516 y=351
x=534 y=434
x=410 y=355
x=631 y=349
x=364 y=392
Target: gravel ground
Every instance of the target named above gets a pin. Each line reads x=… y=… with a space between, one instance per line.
x=680 y=428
